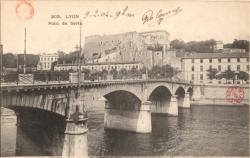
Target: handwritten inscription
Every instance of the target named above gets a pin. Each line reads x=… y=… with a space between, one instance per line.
x=149 y=18
x=155 y=18
x=115 y=15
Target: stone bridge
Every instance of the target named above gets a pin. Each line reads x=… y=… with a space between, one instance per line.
x=128 y=104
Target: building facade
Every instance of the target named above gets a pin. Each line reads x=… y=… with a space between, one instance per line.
x=100 y=66
x=219 y=45
x=146 y=47
x=46 y=60
x=195 y=66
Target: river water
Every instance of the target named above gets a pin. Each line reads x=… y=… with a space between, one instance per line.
x=199 y=131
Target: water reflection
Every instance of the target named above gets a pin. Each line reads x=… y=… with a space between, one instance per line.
x=8 y=135
x=199 y=131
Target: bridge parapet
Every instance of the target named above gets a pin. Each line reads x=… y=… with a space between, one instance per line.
x=69 y=85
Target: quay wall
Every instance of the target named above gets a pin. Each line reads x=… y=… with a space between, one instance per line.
x=217 y=95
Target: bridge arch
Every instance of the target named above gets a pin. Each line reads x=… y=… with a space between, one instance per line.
x=153 y=87
x=190 y=91
x=122 y=99
x=160 y=98
x=180 y=94
x=44 y=101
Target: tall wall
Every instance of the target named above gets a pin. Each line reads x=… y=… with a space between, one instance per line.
x=217 y=95
x=131 y=46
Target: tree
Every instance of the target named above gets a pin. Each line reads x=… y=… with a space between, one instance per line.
x=87 y=74
x=72 y=57
x=155 y=72
x=31 y=60
x=143 y=70
x=168 y=71
x=240 y=44
x=9 y=60
x=228 y=75
x=177 y=44
x=123 y=73
x=244 y=76
x=133 y=72
x=212 y=73
x=104 y=74
x=114 y=72
x=194 y=46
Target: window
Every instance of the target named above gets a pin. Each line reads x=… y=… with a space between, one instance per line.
x=201 y=68
x=238 y=59
x=192 y=76
x=229 y=67
x=247 y=67
x=219 y=67
x=238 y=67
x=228 y=60
x=219 y=60
x=192 y=68
x=247 y=59
x=210 y=60
x=201 y=61
x=210 y=67
x=201 y=76
x=192 y=60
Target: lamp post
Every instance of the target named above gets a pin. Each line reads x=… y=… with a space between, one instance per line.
x=24 y=54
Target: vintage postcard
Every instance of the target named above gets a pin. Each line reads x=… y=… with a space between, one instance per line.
x=139 y=78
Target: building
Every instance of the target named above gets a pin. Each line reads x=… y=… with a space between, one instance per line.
x=219 y=45
x=145 y=47
x=233 y=50
x=195 y=66
x=46 y=60
x=100 y=66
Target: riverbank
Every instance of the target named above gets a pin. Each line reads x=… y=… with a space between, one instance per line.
x=230 y=95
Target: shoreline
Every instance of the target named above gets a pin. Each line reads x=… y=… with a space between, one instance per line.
x=216 y=102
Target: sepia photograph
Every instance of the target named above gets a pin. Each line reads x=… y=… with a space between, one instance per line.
x=142 y=78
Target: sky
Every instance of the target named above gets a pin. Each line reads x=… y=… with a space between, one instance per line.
x=194 y=21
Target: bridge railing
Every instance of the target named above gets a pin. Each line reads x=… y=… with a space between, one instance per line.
x=59 y=82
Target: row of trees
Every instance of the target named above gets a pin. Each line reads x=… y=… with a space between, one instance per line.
x=207 y=46
x=194 y=46
x=228 y=75
x=165 y=71
x=72 y=57
x=10 y=60
x=241 y=44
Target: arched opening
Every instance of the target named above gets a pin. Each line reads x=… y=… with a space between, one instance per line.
x=35 y=126
x=180 y=93
x=122 y=100
x=123 y=111
x=190 y=91
x=160 y=98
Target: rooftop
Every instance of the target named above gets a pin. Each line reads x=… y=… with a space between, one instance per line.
x=185 y=55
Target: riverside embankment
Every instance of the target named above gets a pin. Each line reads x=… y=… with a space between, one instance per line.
x=235 y=94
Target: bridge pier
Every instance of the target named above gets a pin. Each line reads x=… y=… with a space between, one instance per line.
x=134 y=120
x=166 y=107
x=173 y=106
x=197 y=93
x=186 y=100
x=75 y=141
